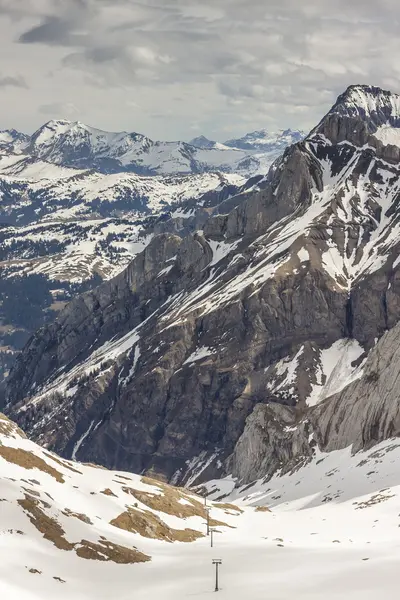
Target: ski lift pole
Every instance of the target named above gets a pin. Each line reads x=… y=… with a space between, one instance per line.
x=216 y=562
x=212 y=536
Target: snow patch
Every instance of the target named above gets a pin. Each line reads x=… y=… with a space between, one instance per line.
x=335 y=371
x=198 y=354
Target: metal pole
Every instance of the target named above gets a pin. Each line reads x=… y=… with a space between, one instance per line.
x=208 y=521
x=212 y=531
x=216 y=562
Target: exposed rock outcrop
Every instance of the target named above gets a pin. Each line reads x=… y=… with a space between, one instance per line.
x=363 y=414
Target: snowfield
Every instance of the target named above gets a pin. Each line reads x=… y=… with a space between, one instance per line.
x=332 y=531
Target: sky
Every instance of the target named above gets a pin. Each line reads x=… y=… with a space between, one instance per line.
x=175 y=69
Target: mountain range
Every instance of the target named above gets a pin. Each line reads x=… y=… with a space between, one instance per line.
x=73 y=210
x=78 y=146
x=242 y=341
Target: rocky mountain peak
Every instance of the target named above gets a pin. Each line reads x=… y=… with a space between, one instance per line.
x=10 y=136
x=368 y=101
x=364 y=116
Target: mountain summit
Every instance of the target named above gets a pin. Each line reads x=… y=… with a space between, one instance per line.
x=202 y=142
x=369 y=102
x=363 y=111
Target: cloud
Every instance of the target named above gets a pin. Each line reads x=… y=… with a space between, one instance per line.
x=59 y=110
x=231 y=63
x=13 y=81
x=52 y=31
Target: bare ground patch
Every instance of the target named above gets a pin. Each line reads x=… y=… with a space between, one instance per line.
x=262 y=509
x=48 y=526
x=375 y=499
x=84 y=518
x=28 y=460
x=53 y=532
x=108 y=492
x=228 y=507
x=149 y=525
x=123 y=477
x=169 y=500
x=108 y=551
x=8 y=427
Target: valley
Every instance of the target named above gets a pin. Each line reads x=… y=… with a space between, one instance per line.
x=332 y=522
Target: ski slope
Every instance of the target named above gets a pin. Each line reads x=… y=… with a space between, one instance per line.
x=332 y=531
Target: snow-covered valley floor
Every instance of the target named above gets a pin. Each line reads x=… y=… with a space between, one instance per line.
x=333 y=530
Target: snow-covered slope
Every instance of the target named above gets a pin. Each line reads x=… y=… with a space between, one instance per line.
x=33 y=190
x=333 y=526
x=76 y=531
x=70 y=530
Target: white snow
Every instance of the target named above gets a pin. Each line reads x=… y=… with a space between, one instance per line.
x=198 y=354
x=220 y=250
x=287 y=368
x=388 y=135
x=332 y=533
x=303 y=255
x=335 y=371
x=81 y=441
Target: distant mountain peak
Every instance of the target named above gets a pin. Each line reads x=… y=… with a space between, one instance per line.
x=74 y=144
x=202 y=142
x=262 y=139
x=12 y=136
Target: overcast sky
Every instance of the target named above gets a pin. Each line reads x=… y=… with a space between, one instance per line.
x=173 y=69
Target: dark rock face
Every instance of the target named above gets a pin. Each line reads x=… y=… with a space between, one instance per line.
x=366 y=412
x=207 y=352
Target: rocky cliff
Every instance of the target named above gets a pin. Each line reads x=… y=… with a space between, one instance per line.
x=361 y=415
x=245 y=325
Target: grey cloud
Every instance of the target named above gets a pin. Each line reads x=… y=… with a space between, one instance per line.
x=13 y=81
x=280 y=61
x=61 y=22
x=59 y=109
x=104 y=54
x=53 y=31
